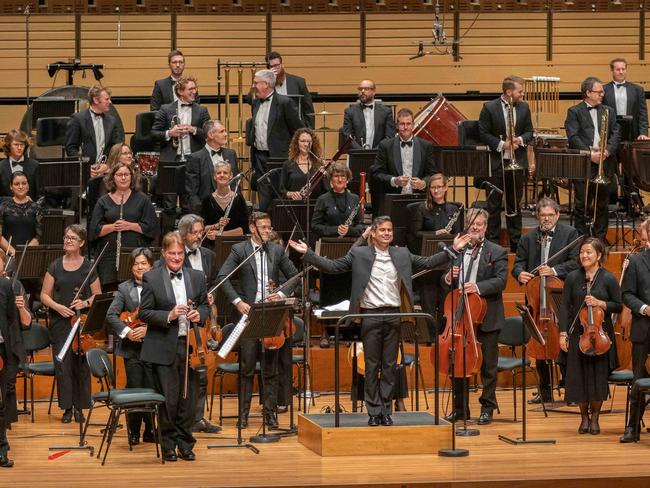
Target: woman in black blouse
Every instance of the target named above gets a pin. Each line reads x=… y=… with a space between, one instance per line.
x=20 y=217
x=126 y=212
x=586 y=376
x=304 y=160
x=213 y=207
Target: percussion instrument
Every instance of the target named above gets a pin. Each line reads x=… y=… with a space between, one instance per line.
x=148 y=163
x=438 y=122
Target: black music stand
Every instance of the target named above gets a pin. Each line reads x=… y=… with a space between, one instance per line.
x=527 y=325
x=359 y=160
x=94 y=322
x=38 y=259
x=283 y=213
x=463 y=161
x=54 y=221
x=334 y=247
x=395 y=205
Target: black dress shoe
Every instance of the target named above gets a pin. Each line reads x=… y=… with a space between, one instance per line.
x=149 y=437
x=205 y=426
x=67 y=416
x=386 y=420
x=186 y=454
x=374 y=420
x=134 y=439
x=170 y=455
x=5 y=462
x=243 y=421
x=628 y=435
x=269 y=420
x=79 y=416
x=282 y=409
x=452 y=416
x=485 y=418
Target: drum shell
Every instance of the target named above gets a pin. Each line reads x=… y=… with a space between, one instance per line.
x=438 y=122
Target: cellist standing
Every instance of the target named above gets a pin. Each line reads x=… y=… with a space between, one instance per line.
x=533 y=251
x=636 y=295
x=485 y=265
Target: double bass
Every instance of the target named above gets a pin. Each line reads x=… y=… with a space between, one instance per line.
x=623 y=320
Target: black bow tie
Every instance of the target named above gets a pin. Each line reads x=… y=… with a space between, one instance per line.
x=592 y=108
x=15 y=163
x=215 y=153
x=370 y=106
x=618 y=85
x=192 y=252
x=95 y=114
x=406 y=143
x=186 y=104
x=548 y=233
x=267 y=99
x=173 y=275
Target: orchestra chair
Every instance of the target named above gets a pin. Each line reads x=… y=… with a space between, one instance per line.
x=124 y=400
x=50 y=131
x=511 y=336
x=141 y=141
x=409 y=360
x=468 y=133
x=36 y=338
x=625 y=378
x=643 y=386
x=298 y=360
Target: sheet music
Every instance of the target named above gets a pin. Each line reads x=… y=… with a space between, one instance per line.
x=343 y=306
x=73 y=332
x=234 y=337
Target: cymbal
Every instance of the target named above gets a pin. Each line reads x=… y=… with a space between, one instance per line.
x=325 y=112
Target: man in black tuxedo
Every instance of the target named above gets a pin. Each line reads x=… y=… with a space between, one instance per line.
x=403 y=164
x=583 y=126
x=535 y=247
x=288 y=84
x=16 y=144
x=253 y=286
x=93 y=131
x=381 y=284
x=166 y=308
x=485 y=268
x=369 y=121
x=270 y=129
x=636 y=296
x=628 y=100
x=199 y=173
x=493 y=129
x=163 y=90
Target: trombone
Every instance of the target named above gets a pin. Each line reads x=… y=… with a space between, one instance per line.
x=512 y=166
x=600 y=179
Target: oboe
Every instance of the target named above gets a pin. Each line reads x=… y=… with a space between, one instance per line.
x=118 y=241
x=359 y=206
x=452 y=220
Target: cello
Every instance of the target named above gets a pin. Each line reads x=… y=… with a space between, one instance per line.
x=594 y=341
x=623 y=321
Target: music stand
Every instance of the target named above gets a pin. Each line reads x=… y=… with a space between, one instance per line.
x=283 y=213
x=395 y=205
x=54 y=221
x=527 y=325
x=334 y=247
x=94 y=322
x=38 y=259
x=463 y=161
x=359 y=160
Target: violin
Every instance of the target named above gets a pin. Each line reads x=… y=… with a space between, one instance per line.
x=196 y=352
x=131 y=319
x=594 y=341
x=623 y=321
x=87 y=341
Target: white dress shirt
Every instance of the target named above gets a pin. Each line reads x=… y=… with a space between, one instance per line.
x=98 y=127
x=620 y=94
x=262 y=124
x=180 y=296
x=594 y=119
x=383 y=286
x=369 y=118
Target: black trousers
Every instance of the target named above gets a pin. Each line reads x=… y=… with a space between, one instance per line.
x=4 y=400
x=139 y=374
x=285 y=373
x=72 y=379
x=250 y=351
x=640 y=351
x=544 y=368
x=380 y=337
x=264 y=189
x=488 y=399
x=513 y=191
x=601 y=193
x=177 y=413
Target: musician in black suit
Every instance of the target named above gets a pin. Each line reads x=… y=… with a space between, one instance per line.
x=163 y=90
x=288 y=84
x=199 y=173
x=485 y=267
x=16 y=144
x=628 y=100
x=636 y=296
x=381 y=284
x=271 y=264
x=493 y=129
x=536 y=247
x=165 y=307
x=129 y=345
x=93 y=131
x=583 y=126
x=369 y=121
x=403 y=163
x=270 y=129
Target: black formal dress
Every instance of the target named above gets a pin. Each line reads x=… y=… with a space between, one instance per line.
x=137 y=208
x=73 y=384
x=354 y=124
x=211 y=212
x=21 y=220
x=138 y=372
x=292 y=178
x=586 y=376
x=28 y=166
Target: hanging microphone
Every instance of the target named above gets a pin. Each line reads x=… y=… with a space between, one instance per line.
x=492 y=187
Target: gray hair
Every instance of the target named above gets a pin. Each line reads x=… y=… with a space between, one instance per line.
x=219 y=164
x=210 y=125
x=473 y=213
x=187 y=222
x=268 y=76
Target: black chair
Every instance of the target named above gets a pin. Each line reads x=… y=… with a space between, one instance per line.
x=127 y=400
x=298 y=360
x=511 y=336
x=36 y=338
x=50 y=131
x=624 y=377
x=468 y=134
x=642 y=385
x=142 y=141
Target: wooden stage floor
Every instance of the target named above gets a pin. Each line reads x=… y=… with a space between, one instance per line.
x=575 y=461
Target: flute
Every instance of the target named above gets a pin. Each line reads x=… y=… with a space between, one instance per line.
x=118 y=241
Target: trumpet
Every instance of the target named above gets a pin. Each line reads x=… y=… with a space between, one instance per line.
x=512 y=166
x=175 y=140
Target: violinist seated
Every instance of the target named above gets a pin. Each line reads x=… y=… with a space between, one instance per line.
x=65 y=301
x=403 y=163
x=589 y=297
x=485 y=271
x=224 y=211
x=636 y=295
x=538 y=250
x=304 y=162
x=173 y=301
x=254 y=288
x=122 y=316
x=381 y=284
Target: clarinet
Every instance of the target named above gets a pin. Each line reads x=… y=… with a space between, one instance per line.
x=452 y=221
x=118 y=241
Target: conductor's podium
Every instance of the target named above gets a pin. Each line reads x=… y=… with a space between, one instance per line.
x=412 y=433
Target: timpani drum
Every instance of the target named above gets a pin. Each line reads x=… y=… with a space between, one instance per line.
x=148 y=163
x=438 y=122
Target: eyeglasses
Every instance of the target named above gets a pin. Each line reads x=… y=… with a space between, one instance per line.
x=70 y=238
x=438 y=188
x=600 y=92
x=122 y=175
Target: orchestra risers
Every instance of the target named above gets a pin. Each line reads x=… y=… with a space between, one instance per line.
x=412 y=433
